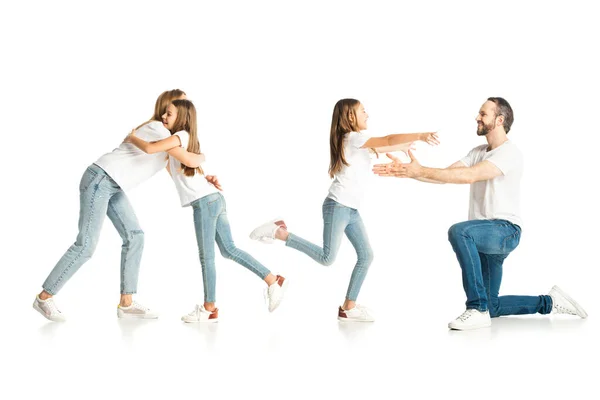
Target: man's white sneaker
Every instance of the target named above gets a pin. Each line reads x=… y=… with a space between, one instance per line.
x=266 y=232
x=562 y=303
x=201 y=314
x=471 y=319
x=48 y=309
x=136 y=311
x=274 y=293
x=357 y=314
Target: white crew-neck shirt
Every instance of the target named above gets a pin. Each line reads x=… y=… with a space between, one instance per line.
x=350 y=184
x=190 y=188
x=497 y=198
x=129 y=166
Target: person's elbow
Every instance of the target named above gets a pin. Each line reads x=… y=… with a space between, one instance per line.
x=192 y=162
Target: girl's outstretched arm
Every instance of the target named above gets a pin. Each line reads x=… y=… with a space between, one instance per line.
x=171 y=145
x=397 y=141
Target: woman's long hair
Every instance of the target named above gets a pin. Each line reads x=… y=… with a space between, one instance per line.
x=343 y=122
x=186 y=121
x=162 y=102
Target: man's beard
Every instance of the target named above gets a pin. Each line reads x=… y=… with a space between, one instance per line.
x=483 y=129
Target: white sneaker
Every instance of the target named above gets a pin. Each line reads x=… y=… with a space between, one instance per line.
x=201 y=314
x=48 y=309
x=471 y=319
x=136 y=310
x=274 y=293
x=357 y=314
x=562 y=303
x=265 y=232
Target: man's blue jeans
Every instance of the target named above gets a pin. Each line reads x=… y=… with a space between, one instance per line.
x=481 y=247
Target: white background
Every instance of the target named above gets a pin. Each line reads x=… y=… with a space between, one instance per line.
x=264 y=76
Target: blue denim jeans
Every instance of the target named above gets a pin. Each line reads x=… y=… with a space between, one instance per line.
x=481 y=247
x=337 y=220
x=99 y=196
x=210 y=220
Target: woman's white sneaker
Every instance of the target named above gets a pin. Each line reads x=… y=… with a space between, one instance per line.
x=48 y=309
x=471 y=319
x=135 y=311
x=357 y=314
x=201 y=314
x=274 y=293
x=562 y=303
x=266 y=232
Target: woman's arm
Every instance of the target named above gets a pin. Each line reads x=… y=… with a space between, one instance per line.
x=171 y=145
x=153 y=147
x=188 y=159
x=382 y=144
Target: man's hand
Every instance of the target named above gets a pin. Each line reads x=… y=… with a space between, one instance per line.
x=213 y=180
x=399 y=170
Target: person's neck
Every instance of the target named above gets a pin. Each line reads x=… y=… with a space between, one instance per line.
x=495 y=139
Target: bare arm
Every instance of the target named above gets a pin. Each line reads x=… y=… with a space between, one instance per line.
x=386 y=143
x=460 y=174
x=188 y=159
x=457 y=164
x=171 y=145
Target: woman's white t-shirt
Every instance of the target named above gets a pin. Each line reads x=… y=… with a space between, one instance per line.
x=190 y=188
x=350 y=184
x=129 y=166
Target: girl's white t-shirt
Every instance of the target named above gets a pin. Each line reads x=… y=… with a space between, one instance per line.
x=190 y=188
x=497 y=198
x=350 y=184
x=129 y=166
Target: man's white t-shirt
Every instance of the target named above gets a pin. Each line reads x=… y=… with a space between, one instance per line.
x=350 y=184
x=190 y=188
x=497 y=198
x=129 y=166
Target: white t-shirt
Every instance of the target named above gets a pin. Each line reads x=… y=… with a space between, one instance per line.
x=497 y=198
x=129 y=166
x=190 y=188
x=352 y=181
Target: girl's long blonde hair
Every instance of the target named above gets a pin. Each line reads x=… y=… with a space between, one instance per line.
x=162 y=102
x=343 y=122
x=186 y=121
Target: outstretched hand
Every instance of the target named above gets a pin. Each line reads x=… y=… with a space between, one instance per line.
x=213 y=180
x=431 y=138
x=398 y=169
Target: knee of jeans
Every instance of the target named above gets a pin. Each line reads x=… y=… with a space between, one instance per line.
x=88 y=247
x=328 y=259
x=227 y=251
x=365 y=257
x=136 y=236
x=455 y=232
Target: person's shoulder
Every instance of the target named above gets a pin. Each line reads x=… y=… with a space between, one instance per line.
x=479 y=149
x=155 y=126
x=182 y=133
x=510 y=146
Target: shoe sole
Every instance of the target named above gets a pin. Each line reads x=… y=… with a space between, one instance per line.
x=580 y=311
x=354 y=320
x=283 y=290
x=209 y=321
x=135 y=316
x=38 y=309
x=470 y=327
